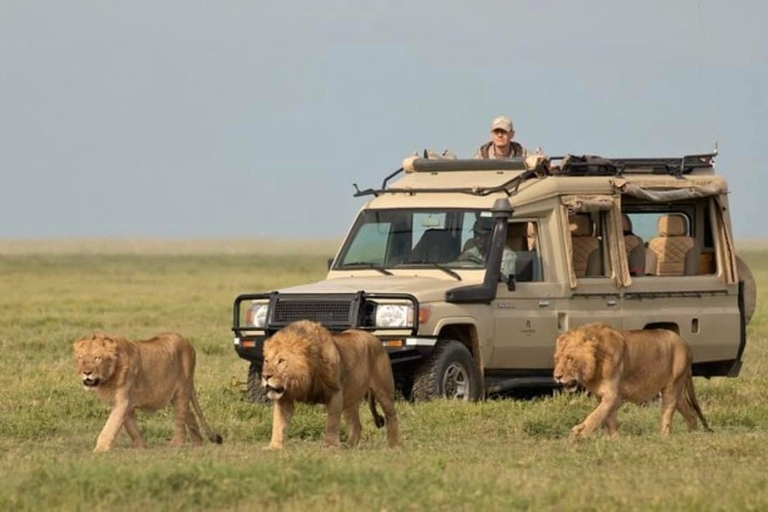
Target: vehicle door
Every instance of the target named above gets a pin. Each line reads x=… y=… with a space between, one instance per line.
x=591 y=240
x=525 y=325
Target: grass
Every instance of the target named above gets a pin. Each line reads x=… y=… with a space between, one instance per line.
x=496 y=455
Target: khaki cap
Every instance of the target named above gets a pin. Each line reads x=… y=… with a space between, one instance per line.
x=483 y=225
x=502 y=123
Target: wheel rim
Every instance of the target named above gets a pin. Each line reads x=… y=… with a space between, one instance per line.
x=456 y=382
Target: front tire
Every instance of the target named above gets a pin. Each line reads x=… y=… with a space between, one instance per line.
x=450 y=372
x=256 y=392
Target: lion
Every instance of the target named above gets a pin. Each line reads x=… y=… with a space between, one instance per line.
x=627 y=365
x=304 y=362
x=147 y=375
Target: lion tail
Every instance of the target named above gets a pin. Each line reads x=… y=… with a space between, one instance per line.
x=378 y=419
x=690 y=396
x=213 y=436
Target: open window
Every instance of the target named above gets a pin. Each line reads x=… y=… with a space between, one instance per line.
x=677 y=227
x=589 y=242
x=521 y=252
x=673 y=239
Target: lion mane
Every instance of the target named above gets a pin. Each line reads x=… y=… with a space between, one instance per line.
x=147 y=375
x=635 y=366
x=304 y=362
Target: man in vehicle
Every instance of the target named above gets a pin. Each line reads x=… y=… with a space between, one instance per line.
x=476 y=248
x=501 y=145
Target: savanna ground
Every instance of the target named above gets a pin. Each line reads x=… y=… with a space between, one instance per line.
x=498 y=455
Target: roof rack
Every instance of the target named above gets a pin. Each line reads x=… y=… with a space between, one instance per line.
x=597 y=166
x=424 y=165
x=572 y=165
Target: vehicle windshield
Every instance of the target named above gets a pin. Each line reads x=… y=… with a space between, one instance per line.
x=444 y=238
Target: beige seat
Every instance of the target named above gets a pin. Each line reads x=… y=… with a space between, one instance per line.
x=531 y=235
x=585 y=244
x=673 y=252
x=634 y=247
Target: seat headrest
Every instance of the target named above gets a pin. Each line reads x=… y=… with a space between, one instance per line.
x=626 y=223
x=672 y=225
x=581 y=225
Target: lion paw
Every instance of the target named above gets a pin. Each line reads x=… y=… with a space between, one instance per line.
x=578 y=430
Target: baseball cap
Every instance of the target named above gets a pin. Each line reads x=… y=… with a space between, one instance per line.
x=483 y=225
x=502 y=123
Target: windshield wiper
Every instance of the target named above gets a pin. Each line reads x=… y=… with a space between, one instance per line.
x=439 y=267
x=367 y=265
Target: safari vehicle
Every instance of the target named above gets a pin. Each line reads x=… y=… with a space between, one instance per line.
x=635 y=243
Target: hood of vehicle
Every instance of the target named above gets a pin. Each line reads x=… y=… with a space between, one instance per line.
x=425 y=289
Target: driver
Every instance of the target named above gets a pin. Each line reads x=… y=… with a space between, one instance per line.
x=476 y=248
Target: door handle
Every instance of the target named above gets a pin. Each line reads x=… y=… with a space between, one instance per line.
x=611 y=302
x=543 y=303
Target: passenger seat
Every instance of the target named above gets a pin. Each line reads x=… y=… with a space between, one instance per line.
x=674 y=252
x=634 y=246
x=584 y=243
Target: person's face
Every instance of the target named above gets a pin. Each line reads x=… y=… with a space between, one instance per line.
x=481 y=239
x=501 y=137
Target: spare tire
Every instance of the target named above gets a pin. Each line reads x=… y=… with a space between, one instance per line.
x=750 y=288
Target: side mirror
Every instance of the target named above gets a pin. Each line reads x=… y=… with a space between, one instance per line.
x=330 y=263
x=511 y=282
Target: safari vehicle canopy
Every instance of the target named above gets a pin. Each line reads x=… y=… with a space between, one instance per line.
x=468 y=270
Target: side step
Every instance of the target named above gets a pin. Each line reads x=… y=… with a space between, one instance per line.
x=500 y=385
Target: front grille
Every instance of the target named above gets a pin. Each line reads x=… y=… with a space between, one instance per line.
x=329 y=312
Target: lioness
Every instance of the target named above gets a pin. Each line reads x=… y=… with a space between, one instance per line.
x=304 y=362
x=147 y=375
x=627 y=365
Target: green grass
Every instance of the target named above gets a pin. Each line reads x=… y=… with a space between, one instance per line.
x=497 y=455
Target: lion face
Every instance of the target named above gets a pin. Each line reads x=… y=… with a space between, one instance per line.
x=574 y=360
x=286 y=367
x=95 y=359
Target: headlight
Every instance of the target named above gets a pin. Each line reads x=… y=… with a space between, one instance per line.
x=392 y=315
x=257 y=315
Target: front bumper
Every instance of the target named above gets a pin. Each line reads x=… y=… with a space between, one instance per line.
x=337 y=312
x=412 y=348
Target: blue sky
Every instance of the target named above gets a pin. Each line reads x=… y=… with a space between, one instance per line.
x=219 y=119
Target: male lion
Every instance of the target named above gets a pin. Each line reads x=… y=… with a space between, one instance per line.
x=627 y=365
x=304 y=362
x=147 y=374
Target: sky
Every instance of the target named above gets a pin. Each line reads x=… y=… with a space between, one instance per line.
x=189 y=119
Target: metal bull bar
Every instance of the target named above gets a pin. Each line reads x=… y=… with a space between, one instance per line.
x=341 y=318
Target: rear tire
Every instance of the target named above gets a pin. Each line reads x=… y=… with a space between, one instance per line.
x=256 y=392
x=450 y=372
